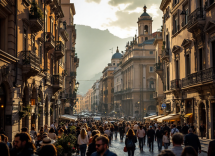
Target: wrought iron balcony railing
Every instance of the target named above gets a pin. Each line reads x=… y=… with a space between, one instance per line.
x=175 y=84
x=57 y=80
x=59 y=49
x=158 y=66
x=49 y=40
x=30 y=58
x=196 y=15
x=199 y=77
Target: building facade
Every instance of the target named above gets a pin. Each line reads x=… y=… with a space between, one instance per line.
x=188 y=61
x=32 y=64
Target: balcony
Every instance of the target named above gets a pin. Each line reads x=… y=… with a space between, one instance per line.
x=49 y=41
x=59 y=50
x=64 y=34
x=155 y=95
x=57 y=81
x=30 y=63
x=48 y=79
x=158 y=67
x=35 y=18
x=165 y=54
x=176 y=84
x=196 y=20
x=206 y=76
x=73 y=74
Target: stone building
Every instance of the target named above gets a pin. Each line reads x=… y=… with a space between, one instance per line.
x=32 y=49
x=188 y=61
x=137 y=69
x=95 y=96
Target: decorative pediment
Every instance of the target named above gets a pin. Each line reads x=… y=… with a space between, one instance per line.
x=210 y=26
x=186 y=42
x=175 y=48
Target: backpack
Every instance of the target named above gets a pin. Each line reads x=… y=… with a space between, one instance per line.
x=129 y=143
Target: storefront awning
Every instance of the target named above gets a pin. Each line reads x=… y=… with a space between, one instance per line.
x=148 y=117
x=168 y=117
x=155 y=118
x=68 y=117
x=188 y=115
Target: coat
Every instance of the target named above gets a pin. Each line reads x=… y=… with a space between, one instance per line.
x=192 y=140
x=134 y=140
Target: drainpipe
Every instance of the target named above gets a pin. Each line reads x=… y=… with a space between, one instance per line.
x=15 y=32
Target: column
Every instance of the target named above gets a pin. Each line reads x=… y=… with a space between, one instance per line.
x=144 y=76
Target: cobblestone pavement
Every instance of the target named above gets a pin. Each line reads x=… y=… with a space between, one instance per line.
x=118 y=147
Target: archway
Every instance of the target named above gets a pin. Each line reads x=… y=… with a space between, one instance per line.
x=202 y=115
x=146 y=29
x=3 y=100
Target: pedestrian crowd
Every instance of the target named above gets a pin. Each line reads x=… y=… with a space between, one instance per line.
x=93 y=138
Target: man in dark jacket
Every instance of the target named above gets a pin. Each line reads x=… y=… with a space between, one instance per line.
x=150 y=135
x=121 y=132
x=185 y=129
x=159 y=136
x=202 y=130
x=211 y=148
x=192 y=140
x=166 y=128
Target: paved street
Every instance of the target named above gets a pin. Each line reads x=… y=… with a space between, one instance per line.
x=118 y=146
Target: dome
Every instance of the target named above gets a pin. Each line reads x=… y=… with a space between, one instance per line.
x=117 y=55
x=145 y=13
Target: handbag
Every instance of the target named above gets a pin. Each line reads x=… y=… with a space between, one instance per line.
x=162 y=143
x=125 y=149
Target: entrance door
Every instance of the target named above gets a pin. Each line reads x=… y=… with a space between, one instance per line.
x=2 y=106
x=202 y=115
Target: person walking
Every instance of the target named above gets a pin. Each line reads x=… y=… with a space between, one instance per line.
x=83 y=141
x=192 y=140
x=121 y=132
x=189 y=151
x=174 y=130
x=23 y=144
x=130 y=142
x=202 y=130
x=141 y=134
x=150 y=135
x=92 y=146
x=166 y=140
x=135 y=127
x=211 y=148
x=177 y=140
x=52 y=134
x=116 y=129
x=144 y=139
x=108 y=133
x=159 y=137
x=102 y=147
x=184 y=129
x=48 y=150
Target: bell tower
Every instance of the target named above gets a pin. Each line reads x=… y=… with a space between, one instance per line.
x=144 y=26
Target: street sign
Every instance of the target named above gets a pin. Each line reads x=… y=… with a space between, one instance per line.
x=163 y=105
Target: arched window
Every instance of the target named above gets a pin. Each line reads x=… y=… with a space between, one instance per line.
x=146 y=29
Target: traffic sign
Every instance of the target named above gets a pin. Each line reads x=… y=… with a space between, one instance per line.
x=163 y=105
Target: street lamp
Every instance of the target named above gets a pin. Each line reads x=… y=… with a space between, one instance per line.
x=77 y=85
x=70 y=83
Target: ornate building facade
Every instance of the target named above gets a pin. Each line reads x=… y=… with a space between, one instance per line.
x=32 y=64
x=188 y=63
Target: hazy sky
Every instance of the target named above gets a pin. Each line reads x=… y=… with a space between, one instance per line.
x=118 y=16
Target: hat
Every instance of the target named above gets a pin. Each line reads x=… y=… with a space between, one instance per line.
x=47 y=141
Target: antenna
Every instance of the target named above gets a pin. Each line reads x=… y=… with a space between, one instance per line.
x=111 y=50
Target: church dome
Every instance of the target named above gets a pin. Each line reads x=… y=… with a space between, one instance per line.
x=117 y=55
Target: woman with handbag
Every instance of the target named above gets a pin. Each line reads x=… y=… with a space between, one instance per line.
x=130 y=141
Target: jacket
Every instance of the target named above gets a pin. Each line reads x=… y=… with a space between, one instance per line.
x=192 y=140
x=159 y=134
x=107 y=153
x=151 y=134
x=91 y=149
x=211 y=148
x=134 y=140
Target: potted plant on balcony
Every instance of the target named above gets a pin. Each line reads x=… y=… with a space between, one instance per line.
x=35 y=11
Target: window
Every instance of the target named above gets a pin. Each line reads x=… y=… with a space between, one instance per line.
x=187 y=67
x=146 y=29
x=40 y=53
x=114 y=64
x=151 y=84
x=175 y=24
x=151 y=96
x=151 y=69
x=151 y=52
x=146 y=38
x=33 y=43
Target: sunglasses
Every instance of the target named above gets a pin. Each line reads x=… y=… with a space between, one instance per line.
x=98 y=145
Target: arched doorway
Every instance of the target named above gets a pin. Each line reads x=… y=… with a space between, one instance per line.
x=3 y=99
x=202 y=115
x=33 y=104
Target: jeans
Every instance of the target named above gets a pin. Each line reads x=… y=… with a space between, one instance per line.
x=151 y=144
x=109 y=139
x=83 y=149
x=166 y=145
x=121 y=136
x=159 y=140
x=135 y=131
x=115 y=134
x=144 y=140
x=130 y=152
x=140 y=142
